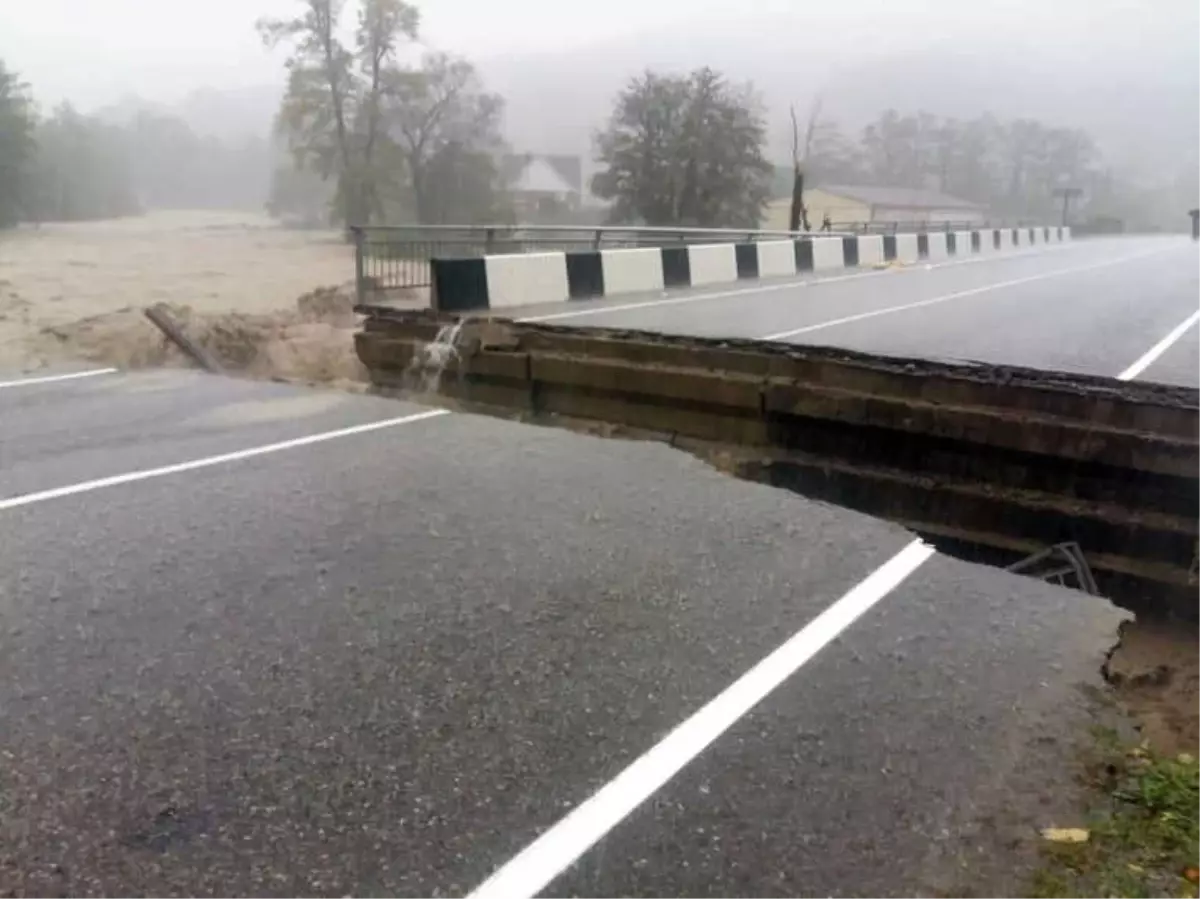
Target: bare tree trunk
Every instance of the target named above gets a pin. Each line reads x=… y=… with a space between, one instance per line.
x=799 y=216
x=420 y=190
x=324 y=15
x=796 y=214
x=796 y=218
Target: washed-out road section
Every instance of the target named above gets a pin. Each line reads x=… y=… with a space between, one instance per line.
x=386 y=661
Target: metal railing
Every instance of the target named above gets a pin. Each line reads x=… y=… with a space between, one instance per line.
x=923 y=227
x=394 y=259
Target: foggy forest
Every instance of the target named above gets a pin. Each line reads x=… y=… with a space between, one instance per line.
x=370 y=122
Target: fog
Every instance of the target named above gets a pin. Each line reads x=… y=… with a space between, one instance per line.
x=1127 y=71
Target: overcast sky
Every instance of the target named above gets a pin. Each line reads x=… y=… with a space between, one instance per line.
x=97 y=51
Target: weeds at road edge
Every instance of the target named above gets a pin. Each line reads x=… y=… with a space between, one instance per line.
x=1142 y=839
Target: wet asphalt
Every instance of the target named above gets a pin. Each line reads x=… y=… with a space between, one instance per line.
x=382 y=664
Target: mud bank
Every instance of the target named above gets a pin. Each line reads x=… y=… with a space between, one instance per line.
x=1155 y=674
x=64 y=275
x=310 y=343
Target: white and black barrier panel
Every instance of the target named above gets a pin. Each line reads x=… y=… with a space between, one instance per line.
x=530 y=279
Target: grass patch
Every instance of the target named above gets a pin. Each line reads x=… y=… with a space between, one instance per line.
x=1142 y=839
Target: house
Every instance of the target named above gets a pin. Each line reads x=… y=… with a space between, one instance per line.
x=544 y=185
x=856 y=205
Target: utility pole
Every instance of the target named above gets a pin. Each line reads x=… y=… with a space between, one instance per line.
x=1066 y=194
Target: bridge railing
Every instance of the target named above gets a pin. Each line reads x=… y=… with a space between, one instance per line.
x=395 y=258
x=915 y=227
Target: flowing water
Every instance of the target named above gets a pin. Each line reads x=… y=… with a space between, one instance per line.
x=424 y=372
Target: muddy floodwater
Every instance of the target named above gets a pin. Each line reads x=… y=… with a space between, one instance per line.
x=214 y=262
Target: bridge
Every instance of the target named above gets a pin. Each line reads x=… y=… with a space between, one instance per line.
x=259 y=639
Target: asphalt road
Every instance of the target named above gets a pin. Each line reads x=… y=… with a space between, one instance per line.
x=257 y=639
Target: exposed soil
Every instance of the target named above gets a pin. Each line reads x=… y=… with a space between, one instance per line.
x=1155 y=674
x=311 y=342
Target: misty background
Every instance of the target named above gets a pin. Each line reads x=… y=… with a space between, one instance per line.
x=176 y=101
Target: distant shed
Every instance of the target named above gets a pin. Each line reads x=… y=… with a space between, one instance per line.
x=852 y=204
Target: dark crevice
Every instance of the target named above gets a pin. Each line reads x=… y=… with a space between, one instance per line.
x=990 y=464
x=853 y=493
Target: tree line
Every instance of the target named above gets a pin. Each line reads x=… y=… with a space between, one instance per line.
x=1012 y=168
x=373 y=127
x=64 y=166
x=421 y=143
x=691 y=150
x=69 y=166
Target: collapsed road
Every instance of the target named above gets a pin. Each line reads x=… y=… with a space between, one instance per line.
x=265 y=640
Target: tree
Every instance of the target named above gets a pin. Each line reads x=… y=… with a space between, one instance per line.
x=332 y=109
x=298 y=198
x=81 y=170
x=17 y=146
x=832 y=157
x=797 y=214
x=1011 y=167
x=685 y=151
x=447 y=132
x=173 y=167
x=824 y=155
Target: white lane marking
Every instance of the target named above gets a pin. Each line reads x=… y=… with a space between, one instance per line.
x=50 y=379
x=770 y=288
x=958 y=295
x=1159 y=348
x=697 y=298
x=554 y=851
x=208 y=461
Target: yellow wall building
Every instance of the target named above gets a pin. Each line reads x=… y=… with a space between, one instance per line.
x=853 y=205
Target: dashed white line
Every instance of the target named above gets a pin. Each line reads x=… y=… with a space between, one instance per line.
x=51 y=379
x=1159 y=348
x=697 y=298
x=559 y=847
x=960 y=294
x=208 y=461
x=770 y=288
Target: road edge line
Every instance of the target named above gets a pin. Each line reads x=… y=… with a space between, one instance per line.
x=53 y=379
x=531 y=870
x=1151 y=355
x=40 y=496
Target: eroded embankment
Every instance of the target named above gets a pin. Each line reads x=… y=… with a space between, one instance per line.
x=1154 y=671
x=310 y=343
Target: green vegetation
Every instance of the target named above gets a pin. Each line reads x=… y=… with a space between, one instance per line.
x=1143 y=839
x=685 y=151
x=17 y=147
x=393 y=140
x=373 y=127
x=66 y=165
x=1010 y=167
x=81 y=171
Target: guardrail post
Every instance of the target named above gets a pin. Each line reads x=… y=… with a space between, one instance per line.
x=489 y=240
x=597 y=238
x=359 y=284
